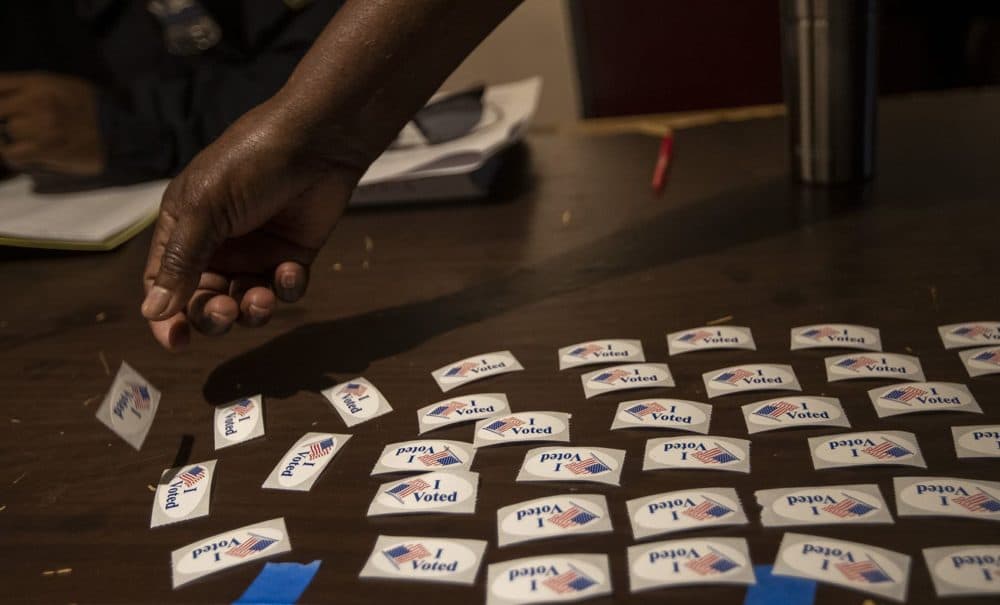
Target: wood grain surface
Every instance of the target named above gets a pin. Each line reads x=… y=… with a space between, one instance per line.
x=571 y=246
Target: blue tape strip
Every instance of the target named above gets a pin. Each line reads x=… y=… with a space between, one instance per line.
x=279 y=584
x=783 y=590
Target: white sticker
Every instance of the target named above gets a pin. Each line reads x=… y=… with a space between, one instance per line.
x=970 y=334
x=129 y=407
x=451 y=492
x=553 y=517
x=690 y=561
x=677 y=414
x=548 y=579
x=600 y=351
x=869 y=448
x=590 y=464
x=947 y=497
x=417 y=559
x=305 y=461
x=971 y=569
x=469 y=369
x=239 y=422
x=710 y=337
x=357 y=401
x=981 y=361
x=222 y=551
x=683 y=510
x=978 y=441
x=750 y=377
x=698 y=452
x=890 y=366
x=457 y=410
x=522 y=427
x=424 y=455
x=625 y=377
x=183 y=493
x=836 y=336
x=910 y=397
x=852 y=565
x=793 y=412
x=822 y=505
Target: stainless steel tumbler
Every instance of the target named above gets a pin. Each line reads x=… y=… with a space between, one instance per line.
x=829 y=51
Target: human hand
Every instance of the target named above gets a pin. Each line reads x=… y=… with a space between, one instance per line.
x=50 y=124
x=239 y=227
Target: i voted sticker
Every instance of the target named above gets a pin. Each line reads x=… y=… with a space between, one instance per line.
x=860 y=567
x=698 y=452
x=709 y=337
x=590 y=464
x=548 y=579
x=981 y=361
x=424 y=455
x=552 y=517
x=625 y=377
x=600 y=351
x=469 y=369
x=750 y=377
x=683 y=510
x=222 y=551
x=836 y=336
x=522 y=427
x=822 y=505
x=129 y=407
x=889 y=366
x=183 y=493
x=979 y=441
x=871 y=448
x=970 y=334
x=451 y=492
x=970 y=569
x=422 y=559
x=690 y=561
x=909 y=398
x=357 y=401
x=676 y=414
x=947 y=497
x=305 y=461
x=239 y=422
x=792 y=412
x=457 y=410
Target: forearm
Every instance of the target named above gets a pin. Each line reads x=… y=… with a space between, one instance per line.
x=375 y=65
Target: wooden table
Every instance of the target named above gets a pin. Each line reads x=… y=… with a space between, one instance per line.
x=574 y=248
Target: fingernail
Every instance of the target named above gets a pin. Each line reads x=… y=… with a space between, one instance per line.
x=156 y=302
x=257 y=311
x=219 y=319
x=288 y=281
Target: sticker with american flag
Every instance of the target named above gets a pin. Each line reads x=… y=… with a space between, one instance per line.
x=822 y=505
x=947 y=497
x=449 y=491
x=865 y=448
x=457 y=410
x=473 y=368
x=682 y=510
x=853 y=565
x=129 y=406
x=521 y=427
x=710 y=337
x=239 y=421
x=793 y=412
x=423 y=455
x=627 y=376
x=425 y=559
x=689 y=561
x=918 y=397
x=883 y=366
x=981 y=361
x=183 y=493
x=305 y=461
x=976 y=440
x=551 y=578
x=966 y=569
x=357 y=401
x=750 y=377
x=592 y=464
x=969 y=334
x=698 y=452
x=601 y=351
x=836 y=336
x=228 y=549
x=552 y=517
x=679 y=414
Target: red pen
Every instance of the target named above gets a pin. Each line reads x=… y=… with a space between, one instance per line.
x=663 y=161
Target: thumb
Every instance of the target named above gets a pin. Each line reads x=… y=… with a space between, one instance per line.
x=182 y=245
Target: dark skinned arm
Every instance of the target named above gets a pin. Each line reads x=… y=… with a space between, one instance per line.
x=239 y=227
